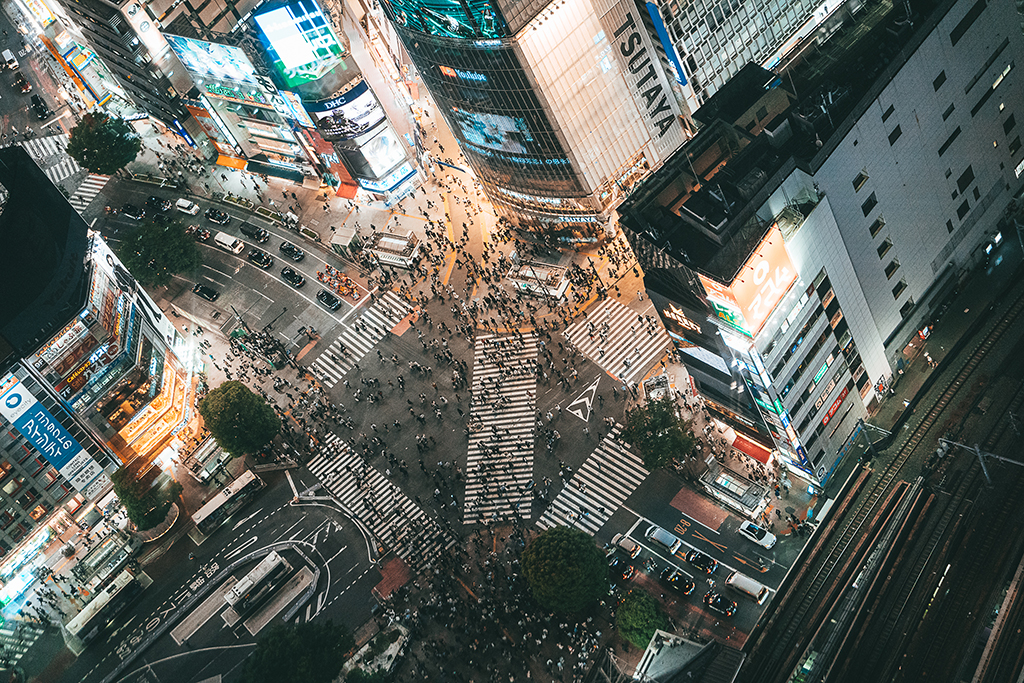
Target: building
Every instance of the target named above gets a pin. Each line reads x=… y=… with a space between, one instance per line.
x=91 y=375
x=559 y=108
x=794 y=266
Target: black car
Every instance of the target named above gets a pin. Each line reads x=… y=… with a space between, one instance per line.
x=261 y=258
x=293 y=278
x=218 y=217
x=677 y=581
x=327 y=299
x=132 y=211
x=619 y=570
x=720 y=603
x=292 y=251
x=40 y=108
x=206 y=292
x=706 y=564
x=21 y=84
x=158 y=205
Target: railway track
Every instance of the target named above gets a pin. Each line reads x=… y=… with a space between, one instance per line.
x=779 y=641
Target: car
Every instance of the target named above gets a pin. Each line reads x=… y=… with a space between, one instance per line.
x=158 y=204
x=293 y=278
x=261 y=258
x=201 y=234
x=327 y=299
x=762 y=537
x=677 y=581
x=40 y=108
x=720 y=603
x=259 y=234
x=626 y=545
x=292 y=251
x=619 y=570
x=133 y=211
x=21 y=84
x=218 y=217
x=706 y=564
x=663 y=538
x=187 y=206
x=207 y=293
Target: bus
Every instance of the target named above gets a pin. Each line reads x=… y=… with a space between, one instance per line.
x=107 y=604
x=256 y=586
x=231 y=498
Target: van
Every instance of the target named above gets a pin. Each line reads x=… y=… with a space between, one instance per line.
x=185 y=206
x=663 y=538
x=627 y=546
x=9 y=60
x=229 y=242
x=258 y=234
x=746 y=585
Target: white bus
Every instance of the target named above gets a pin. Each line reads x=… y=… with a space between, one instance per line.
x=231 y=498
x=110 y=601
x=256 y=586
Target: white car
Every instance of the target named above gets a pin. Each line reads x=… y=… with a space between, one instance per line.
x=185 y=206
x=762 y=537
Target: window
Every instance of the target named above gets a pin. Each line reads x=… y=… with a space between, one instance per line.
x=859 y=181
x=972 y=15
x=869 y=203
x=939 y=80
x=898 y=289
x=949 y=226
x=895 y=135
x=761 y=113
x=877 y=226
x=964 y=208
x=1008 y=124
x=977 y=193
x=949 y=172
x=13 y=485
x=907 y=308
x=888 y=113
x=884 y=247
x=949 y=141
x=1015 y=145
x=891 y=269
x=965 y=179
x=949 y=112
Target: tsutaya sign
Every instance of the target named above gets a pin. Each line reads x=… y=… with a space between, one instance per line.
x=644 y=75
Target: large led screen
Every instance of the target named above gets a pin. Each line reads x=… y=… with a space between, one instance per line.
x=383 y=151
x=449 y=18
x=349 y=115
x=300 y=43
x=213 y=61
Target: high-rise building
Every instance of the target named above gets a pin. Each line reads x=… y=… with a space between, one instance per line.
x=796 y=265
x=559 y=107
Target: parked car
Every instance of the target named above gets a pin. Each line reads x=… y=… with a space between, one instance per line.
x=720 y=603
x=663 y=538
x=619 y=570
x=706 y=564
x=158 y=204
x=207 y=293
x=218 y=217
x=132 y=211
x=762 y=537
x=292 y=251
x=252 y=232
x=21 y=84
x=261 y=258
x=327 y=299
x=677 y=581
x=40 y=108
x=293 y=278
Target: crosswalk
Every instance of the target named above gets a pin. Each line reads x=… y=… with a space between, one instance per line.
x=391 y=516
x=87 y=191
x=499 y=466
x=16 y=638
x=359 y=338
x=622 y=342
x=44 y=149
x=598 y=488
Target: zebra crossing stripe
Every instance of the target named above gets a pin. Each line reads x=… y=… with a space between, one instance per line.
x=65 y=168
x=629 y=346
x=359 y=338
x=499 y=464
x=593 y=494
x=391 y=516
x=87 y=191
x=45 y=147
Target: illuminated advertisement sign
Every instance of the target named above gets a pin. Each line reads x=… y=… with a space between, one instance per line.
x=394 y=179
x=349 y=115
x=74 y=331
x=835 y=406
x=448 y=18
x=300 y=43
x=383 y=151
x=293 y=109
x=724 y=304
x=211 y=60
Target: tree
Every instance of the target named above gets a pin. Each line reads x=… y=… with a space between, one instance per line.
x=155 y=252
x=359 y=675
x=239 y=419
x=299 y=653
x=638 y=617
x=658 y=433
x=565 y=570
x=103 y=144
x=146 y=505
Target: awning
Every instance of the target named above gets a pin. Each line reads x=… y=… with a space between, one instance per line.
x=752 y=448
x=231 y=162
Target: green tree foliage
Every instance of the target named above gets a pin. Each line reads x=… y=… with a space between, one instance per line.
x=658 y=433
x=299 y=653
x=358 y=675
x=146 y=506
x=155 y=252
x=638 y=617
x=565 y=570
x=103 y=144
x=239 y=419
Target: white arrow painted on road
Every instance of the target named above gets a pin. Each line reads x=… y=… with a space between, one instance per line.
x=243 y=521
x=242 y=547
x=582 y=405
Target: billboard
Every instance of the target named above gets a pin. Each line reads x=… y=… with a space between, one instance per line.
x=448 y=18
x=212 y=60
x=348 y=115
x=301 y=47
x=293 y=109
x=383 y=151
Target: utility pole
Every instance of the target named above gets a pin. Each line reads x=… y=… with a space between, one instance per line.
x=976 y=449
